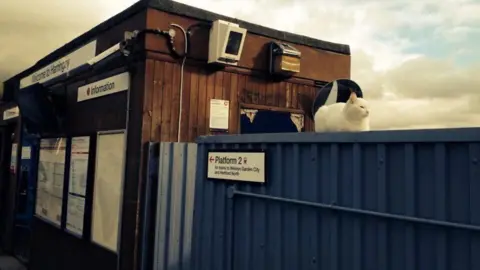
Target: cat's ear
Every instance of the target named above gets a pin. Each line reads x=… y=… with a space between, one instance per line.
x=353 y=96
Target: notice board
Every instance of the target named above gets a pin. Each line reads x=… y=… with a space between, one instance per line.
x=77 y=184
x=108 y=186
x=51 y=172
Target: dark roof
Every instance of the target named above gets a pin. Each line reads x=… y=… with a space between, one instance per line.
x=187 y=11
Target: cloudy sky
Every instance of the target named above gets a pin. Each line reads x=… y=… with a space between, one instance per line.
x=415 y=60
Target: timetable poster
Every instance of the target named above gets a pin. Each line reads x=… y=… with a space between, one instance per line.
x=78 y=184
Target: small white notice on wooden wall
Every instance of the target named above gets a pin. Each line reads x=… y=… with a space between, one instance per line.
x=237 y=166
x=219 y=113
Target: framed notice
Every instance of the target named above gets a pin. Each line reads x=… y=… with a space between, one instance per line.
x=77 y=184
x=51 y=176
x=108 y=187
x=219 y=114
x=231 y=165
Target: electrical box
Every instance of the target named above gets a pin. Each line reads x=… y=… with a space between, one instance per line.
x=284 y=59
x=226 y=43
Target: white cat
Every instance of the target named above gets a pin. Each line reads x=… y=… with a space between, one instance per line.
x=350 y=116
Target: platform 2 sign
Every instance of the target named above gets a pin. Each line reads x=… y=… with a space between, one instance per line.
x=236 y=166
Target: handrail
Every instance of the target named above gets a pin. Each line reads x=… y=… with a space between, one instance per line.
x=234 y=192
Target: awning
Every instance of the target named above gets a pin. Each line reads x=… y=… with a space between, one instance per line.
x=39 y=111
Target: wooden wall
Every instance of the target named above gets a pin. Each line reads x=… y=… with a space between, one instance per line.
x=316 y=64
x=162 y=99
x=245 y=85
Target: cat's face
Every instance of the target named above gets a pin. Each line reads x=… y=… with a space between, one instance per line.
x=357 y=108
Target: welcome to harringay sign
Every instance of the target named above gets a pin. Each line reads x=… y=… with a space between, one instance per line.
x=61 y=66
x=51 y=71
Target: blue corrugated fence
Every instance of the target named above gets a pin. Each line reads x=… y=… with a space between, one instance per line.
x=390 y=200
x=378 y=200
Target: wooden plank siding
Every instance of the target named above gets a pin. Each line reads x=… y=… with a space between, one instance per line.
x=162 y=99
x=316 y=64
x=245 y=86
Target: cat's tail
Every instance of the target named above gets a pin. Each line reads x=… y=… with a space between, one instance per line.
x=306 y=103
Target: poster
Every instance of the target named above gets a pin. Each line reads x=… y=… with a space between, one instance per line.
x=107 y=190
x=75 y=213
x=77 y=184
x=219 y=114
x=51 y=170
x=13 y=158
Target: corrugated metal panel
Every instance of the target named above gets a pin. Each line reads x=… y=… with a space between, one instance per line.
x=393 y=200
x=176 y=183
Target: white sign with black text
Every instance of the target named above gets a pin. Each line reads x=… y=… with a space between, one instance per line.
x=237 y=166
x=219 y=114
x=108 y=86
x=26 y=152
x=62 y=65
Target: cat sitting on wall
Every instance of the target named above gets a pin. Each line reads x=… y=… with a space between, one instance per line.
x=352 y=115
x=338 y=107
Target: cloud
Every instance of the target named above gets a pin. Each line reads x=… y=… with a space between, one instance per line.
x=428 y=78
x=421 y=93
x=428 y=113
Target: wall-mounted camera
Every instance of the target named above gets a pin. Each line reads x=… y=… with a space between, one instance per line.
x=226 y=43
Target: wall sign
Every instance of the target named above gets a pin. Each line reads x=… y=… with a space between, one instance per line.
x=11 y=113
x=62 y=65
x=219 y=112
x=108 y=86
x=13 y=158
x=237 y=166
x=26 y=152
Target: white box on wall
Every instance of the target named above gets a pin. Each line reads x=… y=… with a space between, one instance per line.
x=226 y=43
